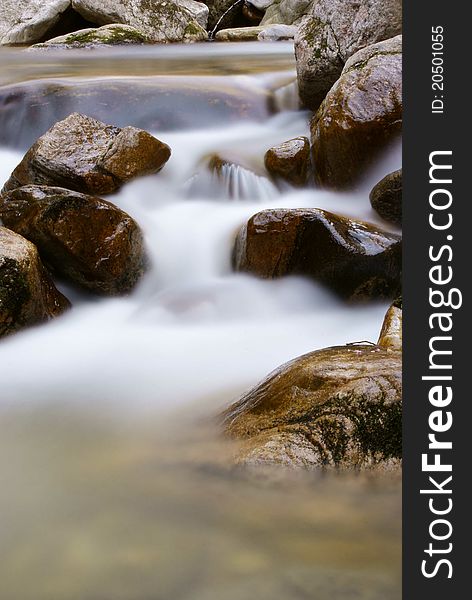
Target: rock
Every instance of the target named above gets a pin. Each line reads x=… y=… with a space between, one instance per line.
x=28 y=21
x=360 y=116
x=277 y=33
x=290 y=161
x=161 y=20
x=239 y=34
x=88 y=156
x=391 y=333
x=338 y=407
x=355 y=259
x=386 y=197
x=261 y=4
x=251 y=14
x=83 y=238
x=29 y=109
x=286 y=12
x=27 y=293
x=332 y=32
x=108 y=35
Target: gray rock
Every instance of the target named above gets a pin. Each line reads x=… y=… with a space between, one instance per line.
x=360 y=116
x=27 y=21
x=286 y=12
x=332 y=32
x=108 y=35
x=239 y=34
x=161 y=20
x=338 y=407
x=27 y=293
x=275 y=33
x=88 y=156
x=386 y=197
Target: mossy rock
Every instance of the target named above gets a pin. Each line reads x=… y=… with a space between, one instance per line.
x=108 y=35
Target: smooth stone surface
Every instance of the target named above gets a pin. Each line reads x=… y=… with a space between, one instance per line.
x=332 y=32
x=355 y=259
x=162 y=20
x=27 y=21
x=108 y=35
x=275 y=33
x=27 y=294
x=338 y=407
x=239 y=34
x=360 y=116
x=85 y=155
x=85 y=239
x=386 y=197
x=290 y=161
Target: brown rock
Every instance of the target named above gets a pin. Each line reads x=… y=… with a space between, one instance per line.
x=251 y=14
x=386 y=197
x=338 y=407
x=355 y=259
x=391 y=333
x=290 y=161
x=360 y=116
x=88 y=156
x=27 y=293
x=83 y=238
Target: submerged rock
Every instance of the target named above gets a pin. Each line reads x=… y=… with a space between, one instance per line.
x=108 y=35
x=360 y=116
x=290 y=161
x=88 y=156
x=29 y=109
x=338 y=407
x=386 y=197
x=27 y=293
x=355 y=259
x=161 y=20
x=28 y=21
x=84 y=239
x=332 y=32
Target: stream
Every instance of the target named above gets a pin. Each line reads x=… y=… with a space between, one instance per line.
x=115 y=482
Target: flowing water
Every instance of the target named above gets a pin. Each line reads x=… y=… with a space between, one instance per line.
x=115 y=483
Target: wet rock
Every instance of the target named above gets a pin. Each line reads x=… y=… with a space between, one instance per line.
x=355 y=259
x=108 y=35
x=290 y=161
x=332 y=32
x=224 y=13
x=338 y=407
x=27 y=293
x=386 y=197
x=251 y=14
x=391 y=333
x=171 y=103
x=285 y=12
x=27 y=21
x=277 y=33
x=360 y=116
x=239 y=34
x=85 y=239
x=161 y=20
x=88 y=156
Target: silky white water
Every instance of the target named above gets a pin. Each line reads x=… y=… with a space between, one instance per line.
x=192 y=329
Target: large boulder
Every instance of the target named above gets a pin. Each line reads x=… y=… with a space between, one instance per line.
x=27 y=293
x=355 y=259
x=108 y=35
x=332 y=32
x=338 y=407
x=28 y=21
x=161 y=20
x=85 y=155
x=360 y=116
x=289 y=161
x=386 y=197
x=85 y=239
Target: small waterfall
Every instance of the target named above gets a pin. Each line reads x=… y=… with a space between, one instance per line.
x=286 y=97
